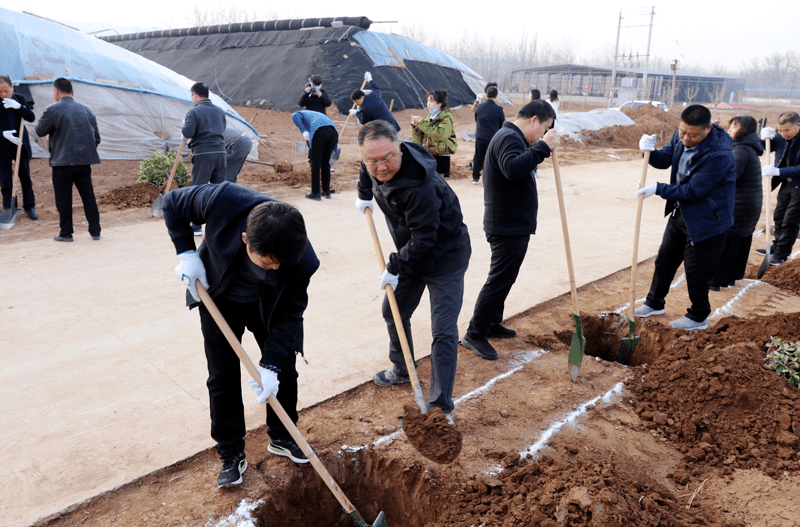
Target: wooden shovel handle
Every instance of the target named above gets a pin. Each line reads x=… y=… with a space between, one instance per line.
x=354 y=105
x=398 y=321
x=768 y=145
x=174 y=166
x=273 y=401
x=635 y=259
x=573 y=290
x=19 y=149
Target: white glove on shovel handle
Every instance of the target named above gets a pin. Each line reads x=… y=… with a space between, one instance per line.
x=647 y=191
x=647 y=143
x=190 y=269
x=767 y=133
x=388 y=278
x=364 y=204
x=269 y=381
x=9 y=134
x=770 y=170
x=11 y=103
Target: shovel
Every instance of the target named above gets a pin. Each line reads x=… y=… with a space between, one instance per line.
x=445 y=445
x=158 y=203
x=578 y=343
x=348 y=507
x=9 y=216
x=767 y=257
x=629 y=343
x=348 y=113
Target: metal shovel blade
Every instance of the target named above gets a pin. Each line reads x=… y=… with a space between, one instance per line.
x=158 y=210
x=380 y=521
x=9 y=216
x=576 y=349
x=627 y=345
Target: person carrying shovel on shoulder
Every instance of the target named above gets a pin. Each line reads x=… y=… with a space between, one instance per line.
x=256 y=263
x=433 y=250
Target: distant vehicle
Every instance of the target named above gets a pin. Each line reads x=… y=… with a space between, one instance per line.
x=635 y=104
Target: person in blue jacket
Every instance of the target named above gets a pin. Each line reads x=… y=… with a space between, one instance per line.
x=700 y=200
x=256 y=263
x=322 y=137
x=370 y=105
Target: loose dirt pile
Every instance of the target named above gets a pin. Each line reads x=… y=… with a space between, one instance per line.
x=431 y=435
x=649 y=120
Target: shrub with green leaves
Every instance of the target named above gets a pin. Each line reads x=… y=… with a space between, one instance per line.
x=156 y=168
x=784 y=358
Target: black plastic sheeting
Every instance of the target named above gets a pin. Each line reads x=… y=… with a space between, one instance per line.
x=246 y=27
x=270 y=69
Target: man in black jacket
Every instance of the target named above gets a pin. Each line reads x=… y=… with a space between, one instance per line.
x=13 y=110
x=314 y=97
x=256 y=263
x=74 y=137
x=489 y=117
x=786 y=173
x=433 y=249
x=509 y=219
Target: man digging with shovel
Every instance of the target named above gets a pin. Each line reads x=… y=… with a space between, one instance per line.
x=256 y=263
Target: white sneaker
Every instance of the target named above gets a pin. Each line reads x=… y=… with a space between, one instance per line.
x=688 y=324
x=645 y=311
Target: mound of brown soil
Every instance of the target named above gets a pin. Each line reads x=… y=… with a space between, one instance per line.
x=648 y=119
x=136 y=195
x=785 y=276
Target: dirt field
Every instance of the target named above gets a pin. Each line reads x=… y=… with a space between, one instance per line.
x=693 y=432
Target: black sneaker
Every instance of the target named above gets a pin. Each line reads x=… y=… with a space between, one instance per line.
x=314 y=196
x=763 y=252
x=480 y=346
x=60 y=238
x=232 y=470
x=389 y=377
x=287 y=448
x=32 y=214
x=776 y=260
x=501 y=332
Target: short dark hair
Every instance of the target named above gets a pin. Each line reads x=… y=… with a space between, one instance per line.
x=537 y=108
x=375 y=130
x=277 y=229
x=789 y=117
x=492 y=91
x=535 y=94
x=696 y=115
x=316 y=80
x=200 y=89
x=489 y=85
x=439 y=96
x=356 y=95
x=5 y=79
x=63 y=85
x=747 y=125
x=553 y=95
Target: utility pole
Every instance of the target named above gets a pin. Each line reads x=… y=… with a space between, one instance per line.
x=674 y=68
x=614 y=68
x=647 y=57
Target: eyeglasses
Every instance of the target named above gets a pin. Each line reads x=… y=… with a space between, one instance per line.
x=385 y=161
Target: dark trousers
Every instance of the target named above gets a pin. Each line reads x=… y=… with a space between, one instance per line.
x=324 y=142
x=63 y=180
x=699 y=261
x=224 y=377
x=733 y=262
x=481 y=146
x=208 y=168
x=235 y=156
x=446 y=295
x=443 y=165
x=508 y=253
x=787 y=219
x=24 y=174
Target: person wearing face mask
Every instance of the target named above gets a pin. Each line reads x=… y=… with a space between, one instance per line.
x=509 y=218
x=700 y=199
x=786 y=174
x=436 y=132
x=747 y=148
x=256 y=262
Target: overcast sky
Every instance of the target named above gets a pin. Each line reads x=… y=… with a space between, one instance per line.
x=694 y=32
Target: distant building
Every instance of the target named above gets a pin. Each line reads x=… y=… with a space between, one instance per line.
x=594 y=81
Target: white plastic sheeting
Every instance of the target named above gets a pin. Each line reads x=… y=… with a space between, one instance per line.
x=140 y=105
x=571 y=124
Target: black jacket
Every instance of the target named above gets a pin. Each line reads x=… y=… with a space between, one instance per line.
x=509 y=188
x=489 y=117
x=10 y=120
x=73 y=132
x=374 y=108
x=224 y=209
x=315 y=103
x=747 y=204
x=423 y=215
x=787 y=157
x=205 y=125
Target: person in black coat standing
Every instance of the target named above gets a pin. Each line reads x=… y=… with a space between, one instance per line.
x=314 y=97
x=489 y=117
x=747 y=148
x=12 y=111
x=509 y=218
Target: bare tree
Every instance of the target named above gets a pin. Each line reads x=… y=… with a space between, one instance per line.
x=226 y=14
x=719 y=92
x=691 y=92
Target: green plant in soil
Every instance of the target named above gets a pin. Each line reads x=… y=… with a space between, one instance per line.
x=784 y=358
x=156 y=169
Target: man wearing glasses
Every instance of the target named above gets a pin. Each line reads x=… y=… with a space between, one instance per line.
x=787 y=166
x=700 y=197
x=433 y=249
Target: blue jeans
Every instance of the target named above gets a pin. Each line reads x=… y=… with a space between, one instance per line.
x=446 y=294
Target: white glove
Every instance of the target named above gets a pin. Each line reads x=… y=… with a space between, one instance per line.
x=647 y=191
x=9 y=134
x=306 y=136
x=12 y=103
x=770 y=170
x=364 y=204
x=481 y=96
x=368 y=76
x=269 y=381
x=388 y=278
x=767 y=133
x=647 y=143
x=191 y=269
x=353 y=111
